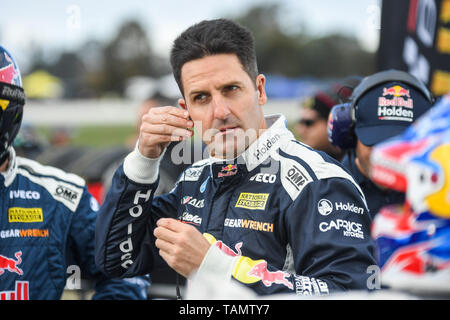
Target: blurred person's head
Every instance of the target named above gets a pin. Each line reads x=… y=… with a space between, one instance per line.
x=156 y=99
x=214 y=64
x=312 y=125
x=383 y=105
x=12 y=101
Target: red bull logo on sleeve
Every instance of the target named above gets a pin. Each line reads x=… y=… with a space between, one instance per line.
x=247 y=270
x=11 y=265
x=270 y=277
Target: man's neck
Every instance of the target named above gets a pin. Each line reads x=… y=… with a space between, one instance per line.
x=4 y=166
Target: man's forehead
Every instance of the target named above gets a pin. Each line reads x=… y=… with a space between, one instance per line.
x=219 y=68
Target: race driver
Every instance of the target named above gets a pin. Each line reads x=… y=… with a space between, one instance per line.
x=263 y=209
x=47 y=226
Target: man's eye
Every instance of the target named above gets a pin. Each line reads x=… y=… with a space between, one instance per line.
x=200 y=97
x=231 y=88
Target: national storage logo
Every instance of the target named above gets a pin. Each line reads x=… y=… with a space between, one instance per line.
x=252 y=201
x=26 y=215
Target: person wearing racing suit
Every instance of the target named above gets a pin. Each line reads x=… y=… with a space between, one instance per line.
x=47 y=226
x=263 y=209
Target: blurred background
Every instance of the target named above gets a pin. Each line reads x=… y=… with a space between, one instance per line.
x=88 y=66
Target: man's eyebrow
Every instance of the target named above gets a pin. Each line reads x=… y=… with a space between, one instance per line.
x=232 y=83
x=195 y=92
x=222 y=86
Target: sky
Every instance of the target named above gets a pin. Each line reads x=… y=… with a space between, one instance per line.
x=57 y=25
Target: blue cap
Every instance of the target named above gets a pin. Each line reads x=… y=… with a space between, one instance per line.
x=387 y=110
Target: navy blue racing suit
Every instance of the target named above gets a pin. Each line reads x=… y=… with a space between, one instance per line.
x=281 y=217
x=47 y=234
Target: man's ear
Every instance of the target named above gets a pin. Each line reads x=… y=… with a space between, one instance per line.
x=261 y=89
x=182 y=103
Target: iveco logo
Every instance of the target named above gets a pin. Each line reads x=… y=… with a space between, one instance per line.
x=325 y=207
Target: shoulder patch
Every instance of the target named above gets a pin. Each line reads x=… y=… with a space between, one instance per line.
x=63 y=187
x=321 y=168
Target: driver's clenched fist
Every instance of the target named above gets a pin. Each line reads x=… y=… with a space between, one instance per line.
x=160 y=126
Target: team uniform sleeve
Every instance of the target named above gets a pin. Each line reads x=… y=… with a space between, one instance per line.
x=329 y=247
x=125 y=245
x=82 y=240
x=333 y=244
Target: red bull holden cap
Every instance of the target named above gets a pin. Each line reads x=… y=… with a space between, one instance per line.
x=387 y=110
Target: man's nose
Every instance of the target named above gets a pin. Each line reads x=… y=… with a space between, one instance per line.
x=220 y=107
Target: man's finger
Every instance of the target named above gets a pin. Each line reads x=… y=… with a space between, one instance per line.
x=165 y=129
x=171 y=224
x=165 y=234
x=171 y=110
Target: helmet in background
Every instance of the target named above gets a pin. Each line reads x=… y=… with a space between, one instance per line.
x=413 y=239
x=12 y=100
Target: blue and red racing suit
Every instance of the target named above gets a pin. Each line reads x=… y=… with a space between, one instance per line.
x=281 y=217
x=47 y=234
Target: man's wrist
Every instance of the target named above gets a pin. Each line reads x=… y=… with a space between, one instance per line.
x=141 y=169
x=218 y=263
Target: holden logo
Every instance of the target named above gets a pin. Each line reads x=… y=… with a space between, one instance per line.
x=325 y=207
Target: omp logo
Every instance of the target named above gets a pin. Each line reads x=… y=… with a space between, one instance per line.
x=295 y=176
x=66 y=193
x=252 y=201
x=325 y=207
x=25 y=215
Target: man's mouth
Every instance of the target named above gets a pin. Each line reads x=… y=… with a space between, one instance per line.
x=227 y=130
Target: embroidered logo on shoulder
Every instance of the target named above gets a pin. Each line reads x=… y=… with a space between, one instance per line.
x=325 y=207
x=252 y=201
x=66 y=193
x=296 y=177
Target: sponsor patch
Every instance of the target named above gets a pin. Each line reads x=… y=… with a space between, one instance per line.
x=25 y=215
x=197 y=203
x=249 y=224
x=399 y=107
x=228 y=170
x=325 y=207
x=24 y=233
x=66 y=193
x=264 y=177
x=296 y=177
x=252 y=201
x=348 y=228
x=266 y=146
x=186 y=217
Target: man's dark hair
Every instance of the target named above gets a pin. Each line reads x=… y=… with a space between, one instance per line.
x=211 y=37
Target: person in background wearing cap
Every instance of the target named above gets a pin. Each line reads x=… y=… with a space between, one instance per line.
x=311 y=129
x=382 y=106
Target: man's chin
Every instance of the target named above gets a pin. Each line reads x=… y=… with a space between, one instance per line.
x=225 y=151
